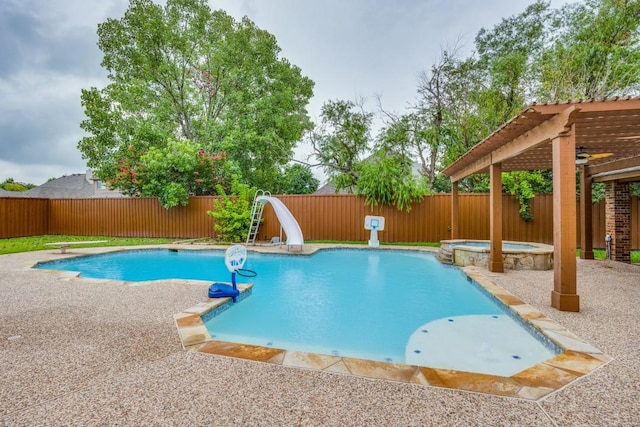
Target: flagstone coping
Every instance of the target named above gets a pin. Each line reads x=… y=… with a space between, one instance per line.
x=576 y=360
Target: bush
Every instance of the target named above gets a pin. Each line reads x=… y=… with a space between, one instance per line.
x=386 y=182
x=233 y=212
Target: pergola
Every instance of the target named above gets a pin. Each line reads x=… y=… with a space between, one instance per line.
x=561 y=137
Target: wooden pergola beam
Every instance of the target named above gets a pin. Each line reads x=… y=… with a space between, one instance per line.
x=541 y=134
x=609 y=105
x=627 y=163
x=475 y=167
x=622 y=176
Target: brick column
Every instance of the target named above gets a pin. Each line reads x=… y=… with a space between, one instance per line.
x=618 y=220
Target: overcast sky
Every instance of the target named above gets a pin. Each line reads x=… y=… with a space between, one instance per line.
x=349 y=48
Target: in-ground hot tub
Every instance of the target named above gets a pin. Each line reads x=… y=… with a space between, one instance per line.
x=515 y=255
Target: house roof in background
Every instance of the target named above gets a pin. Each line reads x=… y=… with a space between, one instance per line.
x=5 y=193
x=73 y=186
x=330 y=189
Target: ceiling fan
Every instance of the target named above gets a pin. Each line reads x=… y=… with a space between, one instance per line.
x=582 y=156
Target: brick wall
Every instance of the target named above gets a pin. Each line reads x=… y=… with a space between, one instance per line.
x=618 y=220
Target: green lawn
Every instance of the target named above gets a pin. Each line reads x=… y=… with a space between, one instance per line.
x=36 y=243
x=602 y=254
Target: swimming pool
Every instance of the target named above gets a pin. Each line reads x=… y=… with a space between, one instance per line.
x=393 y=306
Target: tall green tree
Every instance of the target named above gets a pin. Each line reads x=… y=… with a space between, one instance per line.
x=436 y=105
x=297 y=179
x=405 y=137
x=341 y=140
x=593 y=52
x=453 y=103
x=466 y=92
x=505 y=57
x=186 y=72
x=585 y=49
x=506 y=53
x=340 y=143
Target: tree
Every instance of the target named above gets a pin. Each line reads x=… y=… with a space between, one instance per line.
x=507 y=95
x=390 y=176
x=405 y=137
x=298 y=179
x=594 y=51
x=10 y=185
x=466 y=92
x=340 y=141
x=452 y=106
x=184 y=72
x=435 y=106
x=174 y=172
x=506 y=53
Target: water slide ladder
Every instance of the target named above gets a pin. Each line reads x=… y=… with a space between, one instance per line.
x=256 y=216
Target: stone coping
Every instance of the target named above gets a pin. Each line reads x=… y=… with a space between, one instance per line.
x=460 y=252
x=576 y=360
x=537 y=248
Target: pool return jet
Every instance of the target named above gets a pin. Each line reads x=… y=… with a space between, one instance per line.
x=234 y=259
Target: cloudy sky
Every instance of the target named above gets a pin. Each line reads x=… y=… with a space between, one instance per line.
x=350 y=48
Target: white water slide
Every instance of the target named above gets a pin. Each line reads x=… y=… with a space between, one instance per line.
x=287 y=220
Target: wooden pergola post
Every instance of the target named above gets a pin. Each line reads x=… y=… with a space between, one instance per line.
x=495 y=218
x=454 y=210
x=563 y=296
x=586 y=214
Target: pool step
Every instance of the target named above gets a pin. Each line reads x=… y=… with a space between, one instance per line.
x=445 y=254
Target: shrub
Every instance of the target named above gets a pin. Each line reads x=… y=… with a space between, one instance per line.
x=233 y=212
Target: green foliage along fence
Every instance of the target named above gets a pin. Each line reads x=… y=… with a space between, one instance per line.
x=321 y=217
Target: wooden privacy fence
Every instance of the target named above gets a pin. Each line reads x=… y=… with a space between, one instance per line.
x=321 y=217
x=341 y=217
x=128 y=217
x=23 y=217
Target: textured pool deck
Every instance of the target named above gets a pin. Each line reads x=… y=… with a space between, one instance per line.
x=96 y=352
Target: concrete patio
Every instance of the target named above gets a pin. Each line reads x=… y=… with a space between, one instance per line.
x=96 y=352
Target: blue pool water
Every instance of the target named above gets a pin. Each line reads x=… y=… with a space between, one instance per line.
x=379 y=305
